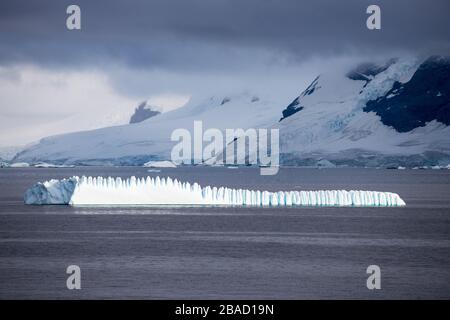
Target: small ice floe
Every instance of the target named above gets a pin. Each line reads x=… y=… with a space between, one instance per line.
x=166 y=191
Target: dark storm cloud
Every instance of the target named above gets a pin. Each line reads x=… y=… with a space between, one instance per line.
x=171 y=50
x=213 y=33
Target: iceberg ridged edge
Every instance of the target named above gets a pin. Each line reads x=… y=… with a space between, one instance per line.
x=167 y=191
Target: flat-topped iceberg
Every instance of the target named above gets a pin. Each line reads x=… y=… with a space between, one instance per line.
x=167 y=191
x=160 y=164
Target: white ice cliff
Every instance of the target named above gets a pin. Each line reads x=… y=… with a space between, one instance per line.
x=161 y=191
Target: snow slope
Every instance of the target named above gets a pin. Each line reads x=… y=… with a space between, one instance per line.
x=156 y=191
x=8 y=153
x=136 y=144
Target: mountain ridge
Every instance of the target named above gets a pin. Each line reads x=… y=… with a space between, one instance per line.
x=340 y=117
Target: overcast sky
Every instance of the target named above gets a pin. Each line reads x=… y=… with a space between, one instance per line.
x=53 y=80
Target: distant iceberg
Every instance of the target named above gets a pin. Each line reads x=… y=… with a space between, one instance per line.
x=19 y=165
x=167 y=191
x=160 y=164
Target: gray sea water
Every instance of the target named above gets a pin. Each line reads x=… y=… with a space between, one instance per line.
x=230 y=253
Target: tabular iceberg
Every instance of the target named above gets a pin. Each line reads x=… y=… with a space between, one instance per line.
x=166 y=191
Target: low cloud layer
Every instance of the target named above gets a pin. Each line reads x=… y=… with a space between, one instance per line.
x=196 y=34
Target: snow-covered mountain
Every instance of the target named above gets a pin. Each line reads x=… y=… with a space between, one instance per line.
x=389 y=114
x=138 y=143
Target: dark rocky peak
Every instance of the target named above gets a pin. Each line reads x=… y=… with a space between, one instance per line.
x=295 y=106
x=225 y=100
x=143 y=112
x=424 y=98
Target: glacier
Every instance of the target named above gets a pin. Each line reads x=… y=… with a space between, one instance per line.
x=167 y=191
